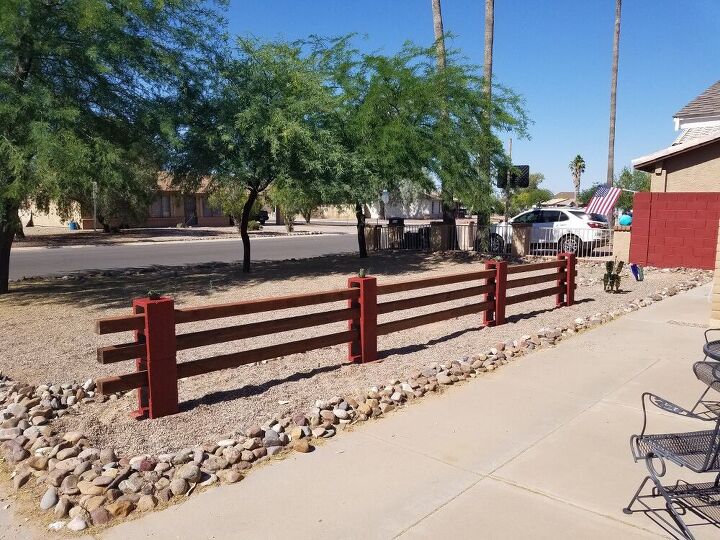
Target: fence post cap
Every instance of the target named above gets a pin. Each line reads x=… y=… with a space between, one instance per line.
x=150 y=301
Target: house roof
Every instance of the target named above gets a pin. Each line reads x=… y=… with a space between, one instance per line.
x=566 y=195
x=646 y=163
x=165 y=183
x=706 y=104
x=696 y=133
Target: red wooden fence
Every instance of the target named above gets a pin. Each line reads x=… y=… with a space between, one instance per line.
x=156 y=343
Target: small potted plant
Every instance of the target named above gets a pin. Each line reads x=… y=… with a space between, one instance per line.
x=611 y=279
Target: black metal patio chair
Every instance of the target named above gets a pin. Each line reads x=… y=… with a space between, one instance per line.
x=703 y=409
x=697 y=450
x=712 y=348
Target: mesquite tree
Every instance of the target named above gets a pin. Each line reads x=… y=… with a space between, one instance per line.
x=265 y=119
x=84 y=89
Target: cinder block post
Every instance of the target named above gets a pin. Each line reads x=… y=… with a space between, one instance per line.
x=364 y=347
x=500 y=282
x=160 y=397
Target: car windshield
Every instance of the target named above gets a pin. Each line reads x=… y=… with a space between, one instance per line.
x=589 y=217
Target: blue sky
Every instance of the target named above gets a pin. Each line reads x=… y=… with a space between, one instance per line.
x=555 y=53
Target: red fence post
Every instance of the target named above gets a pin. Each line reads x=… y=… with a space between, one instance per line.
x=500 y=294
x=566 y=279
x=489 y=314
x=570 y=281
x=160 y=396
x=364 y=348
x=500 y=291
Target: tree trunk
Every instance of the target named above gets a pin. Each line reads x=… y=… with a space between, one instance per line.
x=439 y=33
x=360 y=215
x=489 y=35
x=613 y=95
x=244 y=220
x=9 y=224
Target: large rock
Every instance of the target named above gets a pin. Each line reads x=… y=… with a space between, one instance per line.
x=190 y=472
x=49 y=499
x=77 y=524
x=120 y=508
x=88 y=488
x=215 y=463
x=179 y=486
x=100 y=516
x=146 y=503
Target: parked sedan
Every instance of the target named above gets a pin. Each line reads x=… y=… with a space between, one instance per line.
x=569 y=230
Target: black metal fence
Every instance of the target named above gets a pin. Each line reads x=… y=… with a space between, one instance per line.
x=496 y=239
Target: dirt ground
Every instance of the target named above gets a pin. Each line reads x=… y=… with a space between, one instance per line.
x=47 y=329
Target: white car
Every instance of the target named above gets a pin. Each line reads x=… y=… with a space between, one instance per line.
x=569 y=230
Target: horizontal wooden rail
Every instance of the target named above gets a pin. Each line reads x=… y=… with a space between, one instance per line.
x=437 y=316
x=530 y=280
x=227 y=361
x=130 y=351
x=401 y=286
x=428 y=299
x=122 y=383
x=532 y=267
x=533 y=295
x=129 y=381
x=124 y=323
x=204 y=313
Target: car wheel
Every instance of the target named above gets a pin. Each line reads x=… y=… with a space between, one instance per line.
x=497 y=245
x=571 y=244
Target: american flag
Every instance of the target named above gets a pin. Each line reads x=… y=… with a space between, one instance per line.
x=603 y=201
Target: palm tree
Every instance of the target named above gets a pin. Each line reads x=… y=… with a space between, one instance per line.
x=439 y=34
x=613 y=95
x=489 y=35
x=577 y=167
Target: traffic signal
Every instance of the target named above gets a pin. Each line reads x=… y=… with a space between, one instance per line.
x=519 y=176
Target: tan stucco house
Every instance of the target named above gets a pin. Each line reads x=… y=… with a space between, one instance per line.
x=170 y=208
x=692 y=162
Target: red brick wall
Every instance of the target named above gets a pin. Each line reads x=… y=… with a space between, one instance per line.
x=675 y=229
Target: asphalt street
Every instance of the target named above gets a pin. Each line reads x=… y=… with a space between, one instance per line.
x=44 y=261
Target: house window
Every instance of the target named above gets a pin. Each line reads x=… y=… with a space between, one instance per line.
x=209 y=211
x=161 y=206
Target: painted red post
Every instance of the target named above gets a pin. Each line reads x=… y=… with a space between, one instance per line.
x=561 y=279
x=489 y=314
x=570 y=281
x=500 y=281
x=160 y=396
x=500 y=291
x=364 y=348
x=566 y=279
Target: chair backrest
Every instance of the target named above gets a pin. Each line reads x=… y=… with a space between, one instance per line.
x=712 y=458
x=709 y=373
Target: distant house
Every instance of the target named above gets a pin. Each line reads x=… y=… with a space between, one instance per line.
x=426 y=206
x=171 y=207
x=676 y=224
x=564 y=198
x=692 y=162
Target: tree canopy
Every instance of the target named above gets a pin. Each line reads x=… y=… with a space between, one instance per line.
x=85 y=93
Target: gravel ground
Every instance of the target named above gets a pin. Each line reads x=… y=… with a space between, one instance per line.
x=62 y=313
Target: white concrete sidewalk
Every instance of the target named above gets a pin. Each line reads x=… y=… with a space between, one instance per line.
x=537 y=450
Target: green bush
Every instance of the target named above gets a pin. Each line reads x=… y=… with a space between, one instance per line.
x=253 y=225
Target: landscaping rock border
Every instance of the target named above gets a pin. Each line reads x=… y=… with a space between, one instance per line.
x=85 y=486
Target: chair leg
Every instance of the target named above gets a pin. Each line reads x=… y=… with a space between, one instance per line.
x=628 y=509
x=655 y=476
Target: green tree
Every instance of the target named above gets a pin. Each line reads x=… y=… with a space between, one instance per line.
x=266 y=117
x=577 y=168
x=85 y=88
x=631 y=180
x=530 y=196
